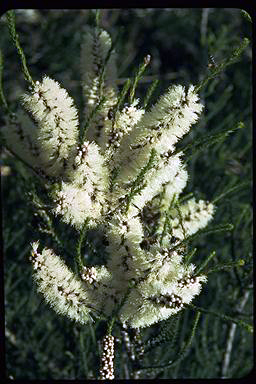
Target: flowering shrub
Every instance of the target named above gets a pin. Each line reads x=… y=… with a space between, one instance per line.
x=121 y=175
x=153 y=282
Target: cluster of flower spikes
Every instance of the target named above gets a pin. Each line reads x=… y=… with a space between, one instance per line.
x=146 y=279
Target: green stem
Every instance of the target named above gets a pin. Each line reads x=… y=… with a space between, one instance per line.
x=205 y=262
x=79 y=247
x=225 y=63
x=204 y=142
x=239 y=263
x=2 y=97
x=83 y=352
x=138 y=75
x=224 y=317
x=218 y=228
x=41 y=176
x=180 y=218
x=150 y=92
x=114 y=316
x=97 y=17
x=15 y=37
x=89 y=120
x=123 y=93
x=189 y=256
x=167 y=220
x=121 y=98
x=230 y=190
x=110 y=324
x=138 y=184
x=184 y=350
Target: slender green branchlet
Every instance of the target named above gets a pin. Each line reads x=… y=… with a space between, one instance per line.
x=98 y=73
x=3 y=101
x=15 y=38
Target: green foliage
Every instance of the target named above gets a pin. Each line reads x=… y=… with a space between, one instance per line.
x=41 y=345
x=12 y=28
x=138 y=76
x=91 y=117
x=2 y=97
x=139 y=183
x=217 y=69
x=150 y=92
x=206 y=141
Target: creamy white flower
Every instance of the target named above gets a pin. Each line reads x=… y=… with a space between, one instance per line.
x=116 y=130
x=130 y=116
x=94 y=51
x=57 y=119
x=185 y=110
x=75 y=205
x=160 y=128
x=89 y=170
x=174 y=187
x=139 y=312
x=61 y=289
x=165 y=173
x=161 y=295
x=194 y=216
x=126 y=258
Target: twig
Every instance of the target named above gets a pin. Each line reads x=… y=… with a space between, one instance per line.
x=231 y=336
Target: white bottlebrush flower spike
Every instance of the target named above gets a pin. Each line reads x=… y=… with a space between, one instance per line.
x=62 y=290
x=160 y=128
x=96 y=47
x=54 y=112
x=121 y=177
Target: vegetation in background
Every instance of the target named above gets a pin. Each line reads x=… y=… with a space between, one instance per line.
x=186 y=46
